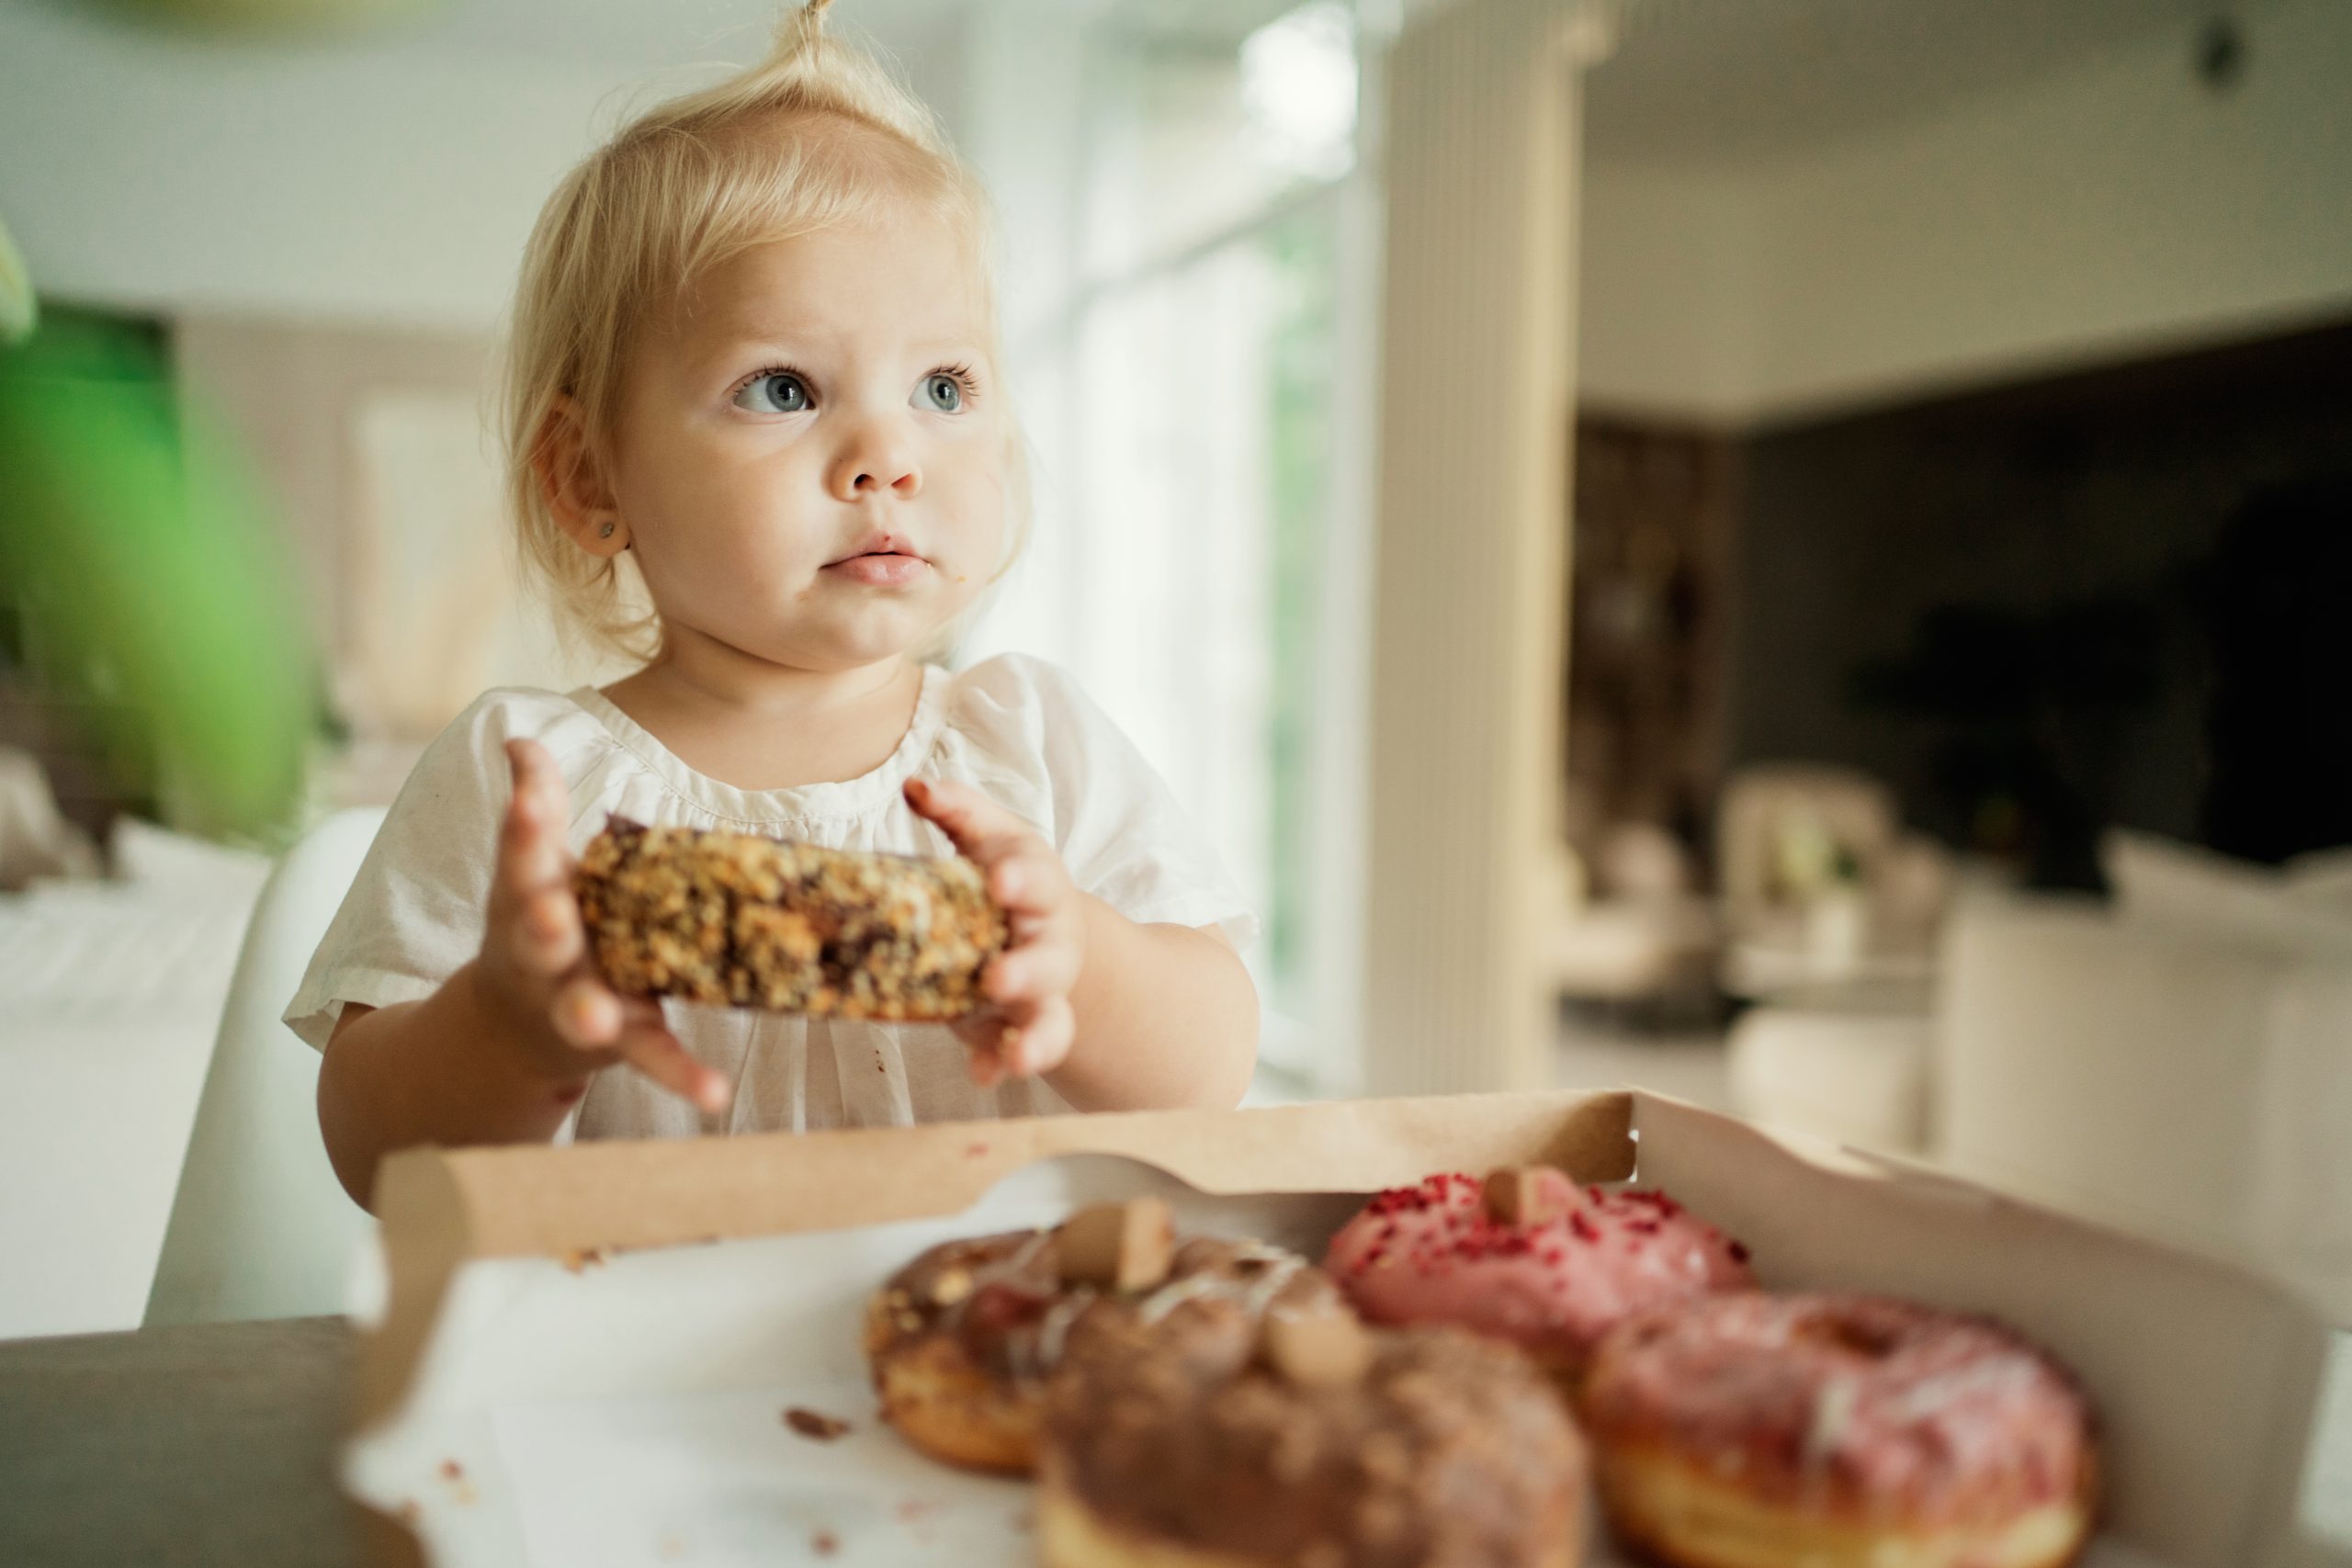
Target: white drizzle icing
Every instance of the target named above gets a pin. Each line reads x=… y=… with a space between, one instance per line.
x=1053 y=1330
x=1253 y=1294
x=1833 y=1408
x=1175 y=1293
x=1995 y=1375
x=1053 y=1333
x=1261 y=1295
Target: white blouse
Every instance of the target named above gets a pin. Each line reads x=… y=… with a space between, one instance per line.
x=1017 y=728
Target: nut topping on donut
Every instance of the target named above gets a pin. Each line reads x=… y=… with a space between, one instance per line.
x=1527 y=1195
x=1117 y=1247
x=1316 y=1349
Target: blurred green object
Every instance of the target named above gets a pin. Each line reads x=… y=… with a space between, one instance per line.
x=147 y=582
x=254 y=17
x=17 y=311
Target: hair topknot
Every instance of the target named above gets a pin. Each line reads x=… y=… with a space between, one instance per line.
x=816 y=135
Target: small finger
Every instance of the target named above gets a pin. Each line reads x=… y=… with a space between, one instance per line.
x=587 y=1014
x=641 y=1012
x=1029 y=879
x=1031 y=972
x=657 y=1054
x=988 y=1037
x=530 y=856
x=551 y=938
x=532 y=844
x=1045 y=1040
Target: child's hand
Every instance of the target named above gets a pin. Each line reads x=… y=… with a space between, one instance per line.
x=534 y=965
x=1029 y=1027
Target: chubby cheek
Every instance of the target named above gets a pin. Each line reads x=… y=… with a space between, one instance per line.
x=975 y=524
x=723 y=529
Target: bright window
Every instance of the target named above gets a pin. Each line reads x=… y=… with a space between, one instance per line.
x=1200 y=534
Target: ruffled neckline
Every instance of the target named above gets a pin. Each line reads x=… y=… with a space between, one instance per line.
x=869 y=792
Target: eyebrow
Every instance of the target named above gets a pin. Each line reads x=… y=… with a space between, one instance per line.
x=728 y=336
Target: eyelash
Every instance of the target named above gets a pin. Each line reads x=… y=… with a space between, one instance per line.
x=961 y=375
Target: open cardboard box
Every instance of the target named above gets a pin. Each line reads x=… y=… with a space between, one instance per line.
x=584 y=1354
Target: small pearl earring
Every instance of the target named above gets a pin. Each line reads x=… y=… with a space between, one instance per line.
x=606 y=532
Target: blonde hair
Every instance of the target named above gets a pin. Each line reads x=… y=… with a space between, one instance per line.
x=816 y=135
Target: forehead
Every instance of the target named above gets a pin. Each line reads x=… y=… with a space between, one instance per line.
x=900 y=277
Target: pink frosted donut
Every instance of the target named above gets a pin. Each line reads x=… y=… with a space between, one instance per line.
x=1528 y=1257
x=1751 y=1431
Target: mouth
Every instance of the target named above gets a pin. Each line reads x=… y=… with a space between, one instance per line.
x=882 y=561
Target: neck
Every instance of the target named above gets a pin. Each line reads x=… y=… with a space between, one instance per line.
x=756 y=725
x=697 y=672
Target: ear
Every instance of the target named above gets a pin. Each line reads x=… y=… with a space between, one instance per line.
x=572 y=483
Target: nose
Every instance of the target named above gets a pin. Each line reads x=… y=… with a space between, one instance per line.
x=877 y=457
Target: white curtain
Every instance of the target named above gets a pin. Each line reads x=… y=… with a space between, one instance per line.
x=1174 y=214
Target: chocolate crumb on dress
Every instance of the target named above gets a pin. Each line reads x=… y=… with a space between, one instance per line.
x=741 y=921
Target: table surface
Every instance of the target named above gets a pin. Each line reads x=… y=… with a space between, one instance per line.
x=234 y=1465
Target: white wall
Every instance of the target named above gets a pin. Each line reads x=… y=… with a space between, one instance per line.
x=369 y=182
x=384 y=180
x=2118 y=208
x=1669 y=291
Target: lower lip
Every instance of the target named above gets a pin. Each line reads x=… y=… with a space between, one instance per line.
x=880 y=571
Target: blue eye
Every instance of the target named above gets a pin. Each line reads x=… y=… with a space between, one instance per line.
x=941 y=392
x=776 y=391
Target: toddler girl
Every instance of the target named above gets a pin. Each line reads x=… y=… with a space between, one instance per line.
x=754 y=355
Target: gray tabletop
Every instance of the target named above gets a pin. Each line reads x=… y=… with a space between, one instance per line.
x=211 y=1444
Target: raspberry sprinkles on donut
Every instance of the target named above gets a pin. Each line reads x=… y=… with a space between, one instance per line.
x=1528 y=1256
x=1754 y=1431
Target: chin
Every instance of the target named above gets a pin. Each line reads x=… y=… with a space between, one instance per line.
x=869 y=640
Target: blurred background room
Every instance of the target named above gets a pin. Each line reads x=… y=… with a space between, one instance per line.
x=1796 y=553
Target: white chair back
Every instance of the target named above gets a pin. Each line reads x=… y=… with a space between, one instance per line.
x=260 y=1226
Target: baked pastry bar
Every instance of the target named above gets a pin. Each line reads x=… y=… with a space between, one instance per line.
x=737 y=919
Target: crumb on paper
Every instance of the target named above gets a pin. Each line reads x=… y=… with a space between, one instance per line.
x=824 y=1543
x=579 y=1259
x=452 y=1471
x=913 y=1509
x=672 y=1548
x=811 y=1424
